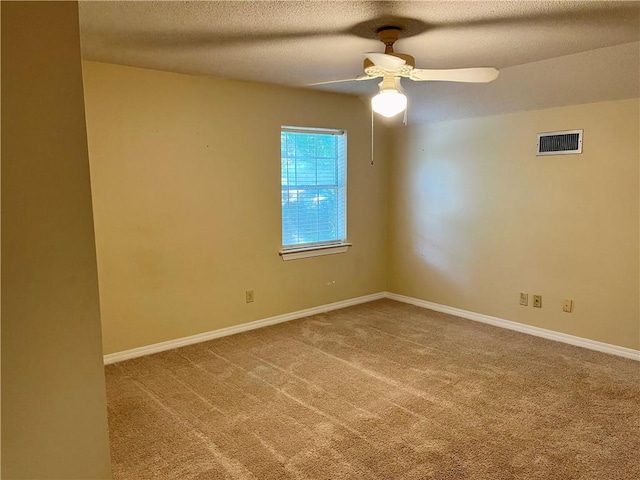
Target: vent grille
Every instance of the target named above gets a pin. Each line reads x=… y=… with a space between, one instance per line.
x=560 y=143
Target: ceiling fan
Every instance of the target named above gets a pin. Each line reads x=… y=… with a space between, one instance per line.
x=391 y=67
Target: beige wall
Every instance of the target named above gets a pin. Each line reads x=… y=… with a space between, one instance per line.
x=476 y=218
x=54 y=423
x=185 y=175
x=185 y=182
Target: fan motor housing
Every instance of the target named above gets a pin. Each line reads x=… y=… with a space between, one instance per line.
x=407 y=58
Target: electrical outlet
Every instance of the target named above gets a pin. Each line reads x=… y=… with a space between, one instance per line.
x=249 y=296
x=537 y=301
x=524 y=299
x=567 y=305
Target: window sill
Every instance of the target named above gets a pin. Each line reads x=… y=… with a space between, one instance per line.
x=315 y=251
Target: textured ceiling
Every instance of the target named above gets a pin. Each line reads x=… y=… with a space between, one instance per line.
x=550 y=53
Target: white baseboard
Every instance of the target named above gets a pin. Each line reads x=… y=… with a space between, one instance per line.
x=223 y=332
x=478 y=317
x=521 y=327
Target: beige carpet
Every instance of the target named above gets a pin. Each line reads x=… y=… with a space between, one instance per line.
x=382 y=390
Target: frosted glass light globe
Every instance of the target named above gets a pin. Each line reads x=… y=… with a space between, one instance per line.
x=389 y=103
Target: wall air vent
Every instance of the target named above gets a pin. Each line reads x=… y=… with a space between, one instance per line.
x=560 y=143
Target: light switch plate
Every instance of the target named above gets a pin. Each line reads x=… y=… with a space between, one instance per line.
x=524 y=299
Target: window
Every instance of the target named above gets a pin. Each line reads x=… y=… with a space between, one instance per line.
x=314 y=193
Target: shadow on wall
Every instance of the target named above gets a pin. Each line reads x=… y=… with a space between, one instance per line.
x=439 y=199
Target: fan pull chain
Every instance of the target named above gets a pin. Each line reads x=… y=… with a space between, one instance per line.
x=372 y=136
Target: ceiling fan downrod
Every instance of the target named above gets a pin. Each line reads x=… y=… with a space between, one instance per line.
x=388 y=36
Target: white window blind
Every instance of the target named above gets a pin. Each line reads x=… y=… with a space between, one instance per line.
x=314 y=196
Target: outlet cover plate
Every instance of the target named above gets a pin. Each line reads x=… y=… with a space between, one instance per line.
x=537 y=301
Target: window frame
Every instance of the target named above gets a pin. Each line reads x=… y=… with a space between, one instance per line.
x=297 y=251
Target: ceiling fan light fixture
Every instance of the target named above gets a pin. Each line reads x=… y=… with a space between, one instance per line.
x=390 y=101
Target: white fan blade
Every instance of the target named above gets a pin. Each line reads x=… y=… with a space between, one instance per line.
x=471 y=75
x=355 y=79
x=388 y=62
